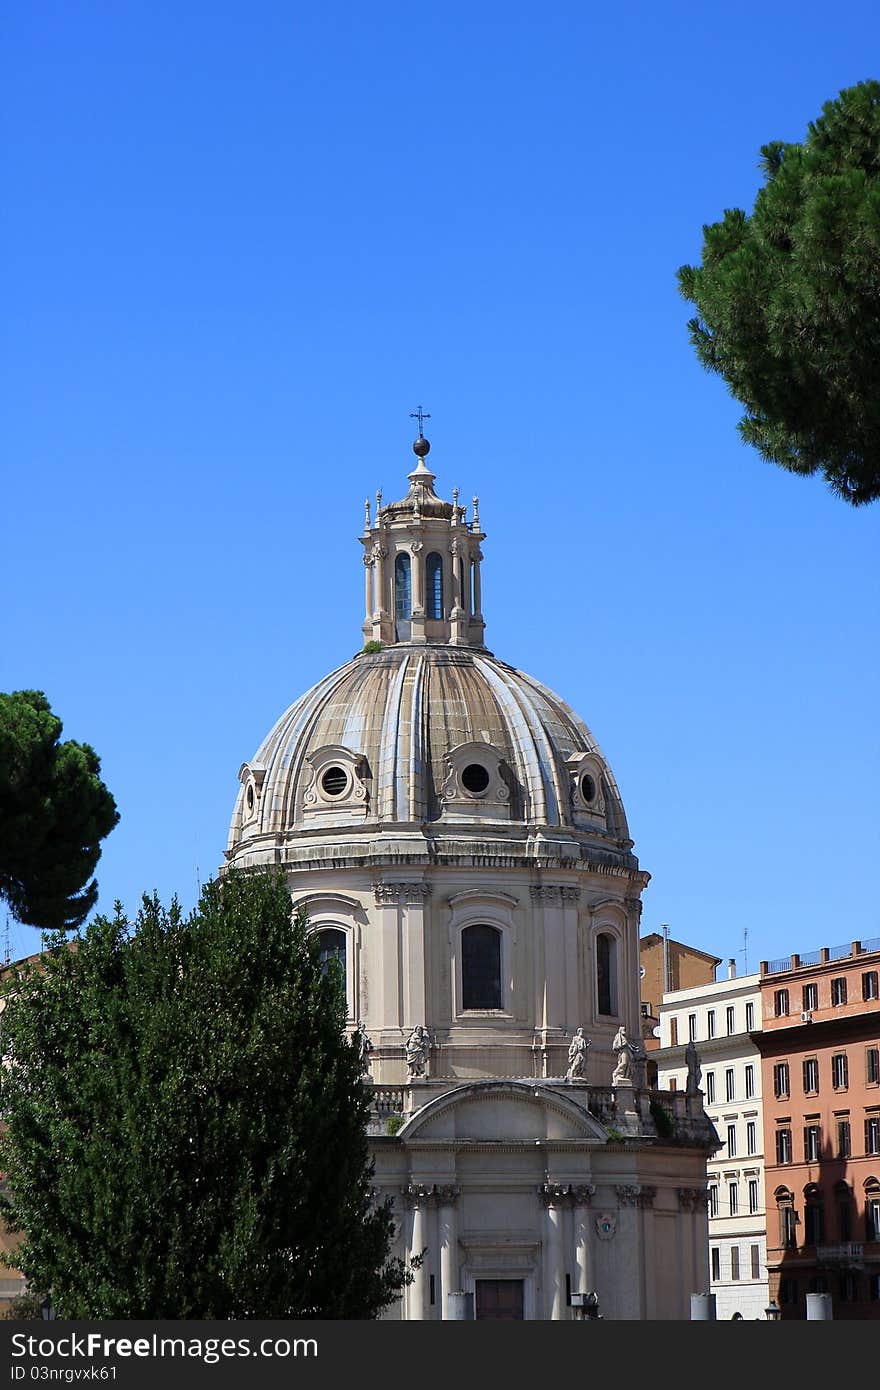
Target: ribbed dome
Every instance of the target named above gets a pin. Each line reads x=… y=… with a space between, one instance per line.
x=395 y=736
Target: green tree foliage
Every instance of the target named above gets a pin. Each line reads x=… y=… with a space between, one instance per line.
x=186 y=1120
x=788 y=300
x=54 y=812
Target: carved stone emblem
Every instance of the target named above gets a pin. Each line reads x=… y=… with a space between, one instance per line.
x=606 y=1226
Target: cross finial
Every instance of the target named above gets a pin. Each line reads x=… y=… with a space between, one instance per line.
x=421 y=416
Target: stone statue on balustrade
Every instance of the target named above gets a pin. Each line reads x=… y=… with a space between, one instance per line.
x=365 y=1050
x=623 y=1047
x=418 y=1045
x=578 y=1052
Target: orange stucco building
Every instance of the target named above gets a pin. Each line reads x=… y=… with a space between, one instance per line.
x=820 y=1050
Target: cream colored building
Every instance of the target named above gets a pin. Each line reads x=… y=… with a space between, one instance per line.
x=719 y=1018
x=459 y=842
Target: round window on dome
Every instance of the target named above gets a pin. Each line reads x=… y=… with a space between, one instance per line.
x=475 y=778
x=335 y=781
x=588 y=788
x=249 y=798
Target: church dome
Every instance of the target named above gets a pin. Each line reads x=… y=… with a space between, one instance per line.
x=434 y=736
x=425 y=743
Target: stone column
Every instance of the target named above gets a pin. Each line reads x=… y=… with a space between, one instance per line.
x=458 y=616
x=581 y=1198
x=554 y=1196
x=368 y=588
x=417 y=569
x=477 y=626
x=419 y=1198
x=381 y=617
x=448 y=1242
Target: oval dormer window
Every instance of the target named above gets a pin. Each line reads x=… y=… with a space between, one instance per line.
x=334 y=781
x=249 y=798
x=475 y=778
x=588 y=788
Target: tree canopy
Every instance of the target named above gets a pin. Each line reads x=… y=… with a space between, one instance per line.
x=54 y=813
x=186 y=1120
x=788 y=300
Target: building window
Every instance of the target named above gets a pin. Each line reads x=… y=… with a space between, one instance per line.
x=756 y=1261
x=780 y=1003
x=731 y=1141
x=872 y=1066
x=481 y=967
x=716 y=1263
x=788 y=1291
x=713 y=1199
x=734 y=1262
x=811 y=1076
x=673 y=1032
x=434 y=586
x=673 y=1084
x=606 y=973
x=874 y=1282
x=839 y=1071
x=869 y=984
x=843 y=1192
x=402 y=591
x=733 y=1198
x=818 y=1284
x=811 y=1143
x=731 y=1025
x=754 y=1196
x=331 y=953
x=787 y=1221
x=872 y=1134
x=750 y=1080
x=814 y=1217
x=872 y=1212
x=811 y=997
x=729 y=1083
x=781 y=1081
x=751 y=1137
x=710 y=1088
x=844 y=1147
x=849 y=1289
x=710 y=1022
x=692 y=1027
x=750 y=1016
x=838 y=990
x=783 y=1146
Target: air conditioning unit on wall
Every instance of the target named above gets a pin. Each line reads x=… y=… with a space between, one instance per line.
x=807 y=1016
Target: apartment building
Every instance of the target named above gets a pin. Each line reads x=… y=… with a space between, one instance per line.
x=820 y=1050
x=721 y=1018
x=666 y=964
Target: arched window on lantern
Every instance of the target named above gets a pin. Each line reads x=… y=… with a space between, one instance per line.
x=434 y=586
x=481 y=967
x=402 y=588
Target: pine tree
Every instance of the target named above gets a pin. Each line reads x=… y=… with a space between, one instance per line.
x=186 y=1120
x=788 y=300
x=54 y=812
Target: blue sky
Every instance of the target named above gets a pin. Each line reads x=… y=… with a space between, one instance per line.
x=242 y=242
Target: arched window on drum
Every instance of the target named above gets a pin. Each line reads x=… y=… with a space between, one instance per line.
x=434 y=586
x=481 y=967
x=331 y=953
x=606 y=974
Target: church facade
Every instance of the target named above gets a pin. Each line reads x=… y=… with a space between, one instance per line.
x=459 y=843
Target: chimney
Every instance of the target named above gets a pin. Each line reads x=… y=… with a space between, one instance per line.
x=731 y=969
